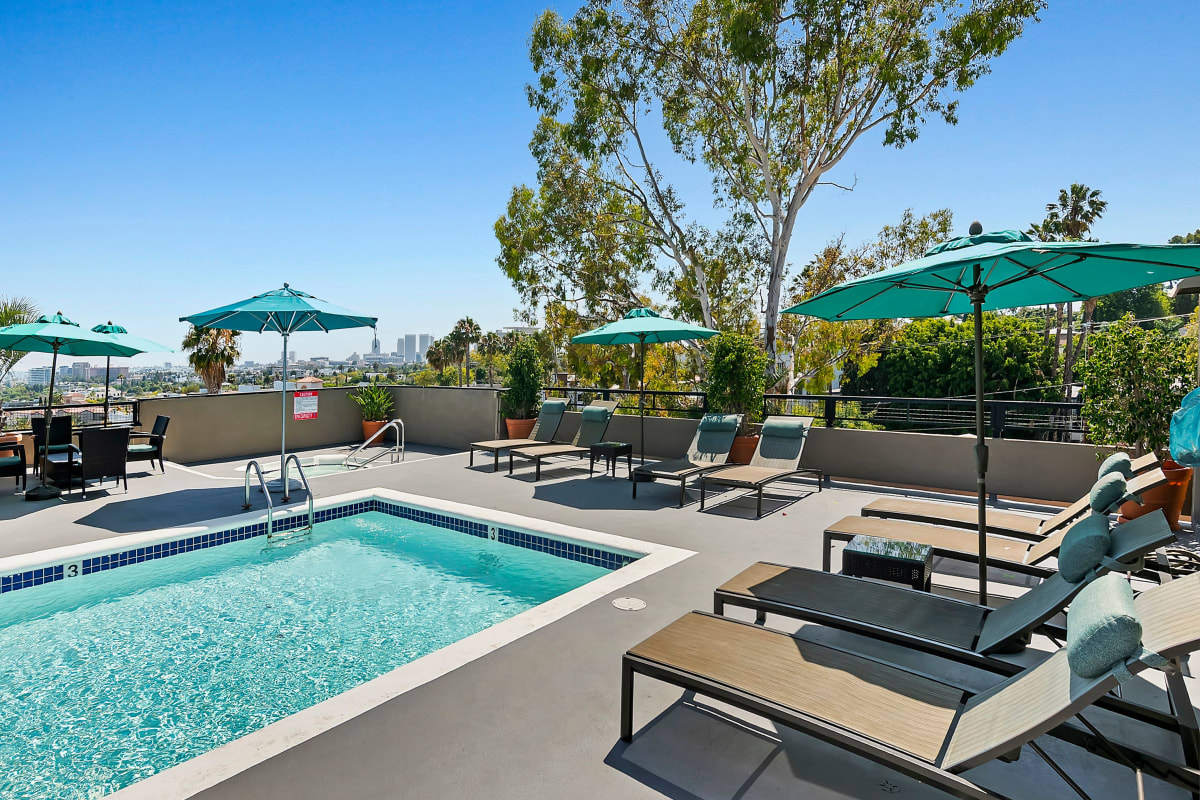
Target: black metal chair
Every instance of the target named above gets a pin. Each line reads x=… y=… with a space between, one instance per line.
x=13 y=466
x=60 y=438
x=102 y=454
x=153 y=449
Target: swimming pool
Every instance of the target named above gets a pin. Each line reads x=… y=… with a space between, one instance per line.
x=117 y=666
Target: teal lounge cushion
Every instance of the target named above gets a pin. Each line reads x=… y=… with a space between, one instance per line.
x=1085 y=544
x=1102 y=627
x=596 y=414
x=719 y=422
x=10 y=461
x=785 y=428
x=141 y=448
x=1119 y=463
x=553 y=407
x=1107 y=493
x=56 y=448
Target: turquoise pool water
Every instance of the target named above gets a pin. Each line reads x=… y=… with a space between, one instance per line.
x=107 y=679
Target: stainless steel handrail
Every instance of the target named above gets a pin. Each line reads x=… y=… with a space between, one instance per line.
x=262 y=483
x=394 y=450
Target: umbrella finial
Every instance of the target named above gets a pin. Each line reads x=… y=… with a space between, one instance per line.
x=975 y=229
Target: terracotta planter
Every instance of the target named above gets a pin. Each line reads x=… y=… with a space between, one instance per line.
x=371 y=428
x=1169 y=497
x=743 y=449
x=519 y=428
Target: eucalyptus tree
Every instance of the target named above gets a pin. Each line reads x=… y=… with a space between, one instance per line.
x=767 y=96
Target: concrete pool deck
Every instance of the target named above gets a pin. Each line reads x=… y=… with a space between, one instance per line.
x=538 y=717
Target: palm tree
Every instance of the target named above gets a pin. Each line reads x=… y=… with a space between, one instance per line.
x=467 y=331
x=14 y=311
x=437 y=356
x=1070 y=220
x=490 y=346
x=212 y=351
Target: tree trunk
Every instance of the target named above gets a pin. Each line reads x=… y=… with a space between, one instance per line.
x=1089 y=308
x=1069 y=353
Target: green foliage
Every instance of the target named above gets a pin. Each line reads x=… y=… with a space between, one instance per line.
x=524 y=383
x=375 y=402
x=14 y=311
x=1133 y=381
x=212 y=351
x=1143 y=302
x=936 y=358
x=737 y=376
x=1187 y=238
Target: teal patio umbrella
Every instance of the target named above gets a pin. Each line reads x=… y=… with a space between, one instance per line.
x=989 y=271
x=643 y=326
x=285 y=311
x=124 y=336
x=57 y=334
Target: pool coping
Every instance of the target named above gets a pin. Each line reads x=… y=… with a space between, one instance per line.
x=215 y=766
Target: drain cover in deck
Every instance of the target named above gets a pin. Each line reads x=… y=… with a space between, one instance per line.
x=629 y=604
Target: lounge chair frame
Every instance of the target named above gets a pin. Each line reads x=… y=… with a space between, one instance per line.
x=573 y=449
x=1089 y=738
x=759 y=484
x=494 y=446
x=656 y=472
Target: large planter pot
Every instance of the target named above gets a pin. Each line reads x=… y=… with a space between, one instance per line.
x=370 y=428
x=1169 y=497
x=743 y=449
x=519 y=428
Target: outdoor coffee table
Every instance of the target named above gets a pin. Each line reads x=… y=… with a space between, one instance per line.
x=888 y=560
x=611 y=451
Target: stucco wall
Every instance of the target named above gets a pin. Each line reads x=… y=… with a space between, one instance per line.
x=446 y=416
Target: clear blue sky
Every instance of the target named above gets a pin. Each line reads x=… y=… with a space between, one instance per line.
x=158 y=159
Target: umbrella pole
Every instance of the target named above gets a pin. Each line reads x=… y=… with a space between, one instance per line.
x=642 y=397
x=107 y=370
x=981 y=450
x=283 y=476
x=42 y=491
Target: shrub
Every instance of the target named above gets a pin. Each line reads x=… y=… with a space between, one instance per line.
x=1133 y=381
x=737 y=377
x=375 y=403
x=524 y=395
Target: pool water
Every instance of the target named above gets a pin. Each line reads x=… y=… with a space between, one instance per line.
x=108 y=679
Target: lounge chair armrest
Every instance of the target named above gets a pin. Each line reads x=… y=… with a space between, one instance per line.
x=16 y=448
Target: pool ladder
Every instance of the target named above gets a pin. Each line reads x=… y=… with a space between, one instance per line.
x=396 y=451
x=262 y=483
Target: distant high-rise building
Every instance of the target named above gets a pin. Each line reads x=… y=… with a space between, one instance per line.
x=423 y=347
x=292 y=356
x=410 y=348
x=79 y=370
x=40 y=376
x=401 y=353
x=375 y=345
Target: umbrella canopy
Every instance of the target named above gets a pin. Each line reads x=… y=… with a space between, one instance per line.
x=57 y=334
x=1015 y=271
x=1004 y=269
x=643 y=326
x=125 y=337
x=284 y=311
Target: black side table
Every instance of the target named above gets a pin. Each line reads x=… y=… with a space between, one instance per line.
x=888 y=560
x=611 y=451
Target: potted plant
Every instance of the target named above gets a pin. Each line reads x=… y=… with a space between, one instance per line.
x=1133 y=381
x=524 y=396
x=375 y=403
x=737 y=378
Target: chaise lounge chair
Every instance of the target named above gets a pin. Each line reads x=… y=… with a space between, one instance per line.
x=966 y=632
x=549 y=417
x=935 y=729
x=1143 y=474
x=1021 y=556
x=592 y=428
x=777 y=456
x=709 y=450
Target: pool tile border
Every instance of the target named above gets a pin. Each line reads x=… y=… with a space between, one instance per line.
x=596 y=556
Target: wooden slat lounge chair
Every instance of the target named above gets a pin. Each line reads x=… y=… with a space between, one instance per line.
x=549 y=417
x=709 y=450
x=931 y=729
x=966 y=632
x=592 y=428
x=1005 y=523
x=780 y=445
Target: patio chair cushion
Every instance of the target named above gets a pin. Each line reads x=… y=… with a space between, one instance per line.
x=55 y=448
x=1085 y=544
x=1119 y=463
x=719 y=422
x=1103 y=629
x=553 y=406
x=142 y=448
x=785 y=428
x=595 y=414
x=10 y=461
x=1107 y=493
